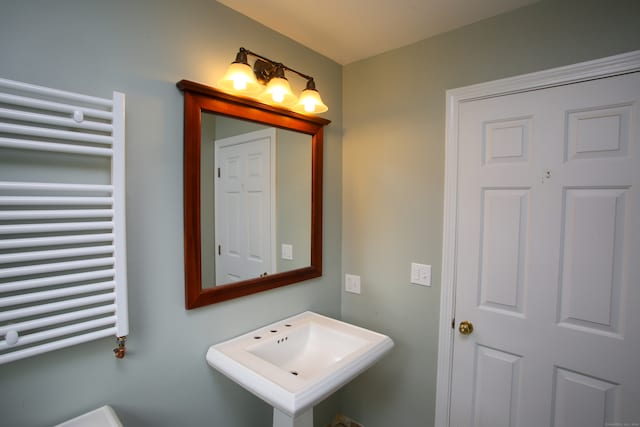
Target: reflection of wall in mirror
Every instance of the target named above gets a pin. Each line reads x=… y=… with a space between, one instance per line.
x=293 y=192
x=293 y=198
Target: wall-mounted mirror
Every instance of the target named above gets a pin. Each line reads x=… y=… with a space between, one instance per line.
x=252 y=195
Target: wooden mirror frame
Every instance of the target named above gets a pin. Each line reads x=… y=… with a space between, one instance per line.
x=198 y=99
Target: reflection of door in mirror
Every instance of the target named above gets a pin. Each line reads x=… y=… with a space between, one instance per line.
x=253 y=233
x=245 y=206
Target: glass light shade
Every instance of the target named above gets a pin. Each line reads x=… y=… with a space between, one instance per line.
x=240 y=78
x=310 y=102
x=278 y=92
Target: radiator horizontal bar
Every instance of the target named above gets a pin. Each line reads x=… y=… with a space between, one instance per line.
x=56 y=280
x=67 y=342
x=55 y=306
x=46 y=119
x=60 y=332
x=53 y=186
x=55 y=293
x=62 y=94
x=55 y=133
x=57 y=227
x=57 y=107
x=29 y=256
x=56 y=214
x=54 y=200
x=56 y=266
x=54 y=147
x=44 y=322
x=55 y=240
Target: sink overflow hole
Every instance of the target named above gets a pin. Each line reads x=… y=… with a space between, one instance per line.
x=294 y=373
x=282 y=339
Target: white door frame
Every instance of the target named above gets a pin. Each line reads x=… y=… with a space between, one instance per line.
x=606 y=67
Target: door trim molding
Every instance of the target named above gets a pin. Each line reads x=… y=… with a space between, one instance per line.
x=596 y=69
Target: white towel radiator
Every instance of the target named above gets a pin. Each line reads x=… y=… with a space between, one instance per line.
x=63 y=277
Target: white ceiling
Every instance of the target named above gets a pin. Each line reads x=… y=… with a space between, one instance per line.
x=350 y=30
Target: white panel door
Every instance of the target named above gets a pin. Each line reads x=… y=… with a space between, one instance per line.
x=244 y=211
x=548 y=258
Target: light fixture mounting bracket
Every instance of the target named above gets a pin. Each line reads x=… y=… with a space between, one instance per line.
x=264 y=70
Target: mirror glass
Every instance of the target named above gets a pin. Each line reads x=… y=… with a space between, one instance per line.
x=252 y=196
x=255 y=200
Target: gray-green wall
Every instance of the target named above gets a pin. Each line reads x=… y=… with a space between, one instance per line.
x=393 y=176
x=142 y=48
x=382 y=207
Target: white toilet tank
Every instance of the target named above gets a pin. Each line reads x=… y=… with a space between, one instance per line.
x=101 y=417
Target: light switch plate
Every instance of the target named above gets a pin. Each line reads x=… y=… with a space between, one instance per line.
x=420 y=274
x=352 y=283
x=287 y=251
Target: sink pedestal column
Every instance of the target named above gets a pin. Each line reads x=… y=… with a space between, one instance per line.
x=280 y=419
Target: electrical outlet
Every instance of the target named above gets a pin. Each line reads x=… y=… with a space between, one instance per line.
x=352 y=283
x=420 y=274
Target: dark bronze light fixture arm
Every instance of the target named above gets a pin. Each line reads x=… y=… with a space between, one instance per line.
x=267 y=68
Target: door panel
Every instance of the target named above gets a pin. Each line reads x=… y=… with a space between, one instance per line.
x=504 y=244
x=593 y=247
x=583 y=401
x=496 y=387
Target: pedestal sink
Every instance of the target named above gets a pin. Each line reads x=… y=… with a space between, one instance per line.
x=297 y=362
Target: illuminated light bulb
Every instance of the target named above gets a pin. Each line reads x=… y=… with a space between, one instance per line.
x=278 y=91
x=240 y=78
x=310 y=101
x=278 y=96
x=239 y=84
x=309 y=107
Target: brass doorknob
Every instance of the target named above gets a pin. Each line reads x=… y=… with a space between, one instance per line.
x=465 y=327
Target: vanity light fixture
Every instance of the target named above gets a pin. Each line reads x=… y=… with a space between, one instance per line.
x=267 y=81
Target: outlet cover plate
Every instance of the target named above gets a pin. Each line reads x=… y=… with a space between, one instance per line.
x=287 y=251
x=352 y=283
x=420 y=274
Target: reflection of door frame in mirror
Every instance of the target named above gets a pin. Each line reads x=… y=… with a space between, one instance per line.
x=199 y=98
x=267 y=230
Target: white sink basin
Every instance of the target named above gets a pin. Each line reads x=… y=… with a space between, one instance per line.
x=297 y=362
